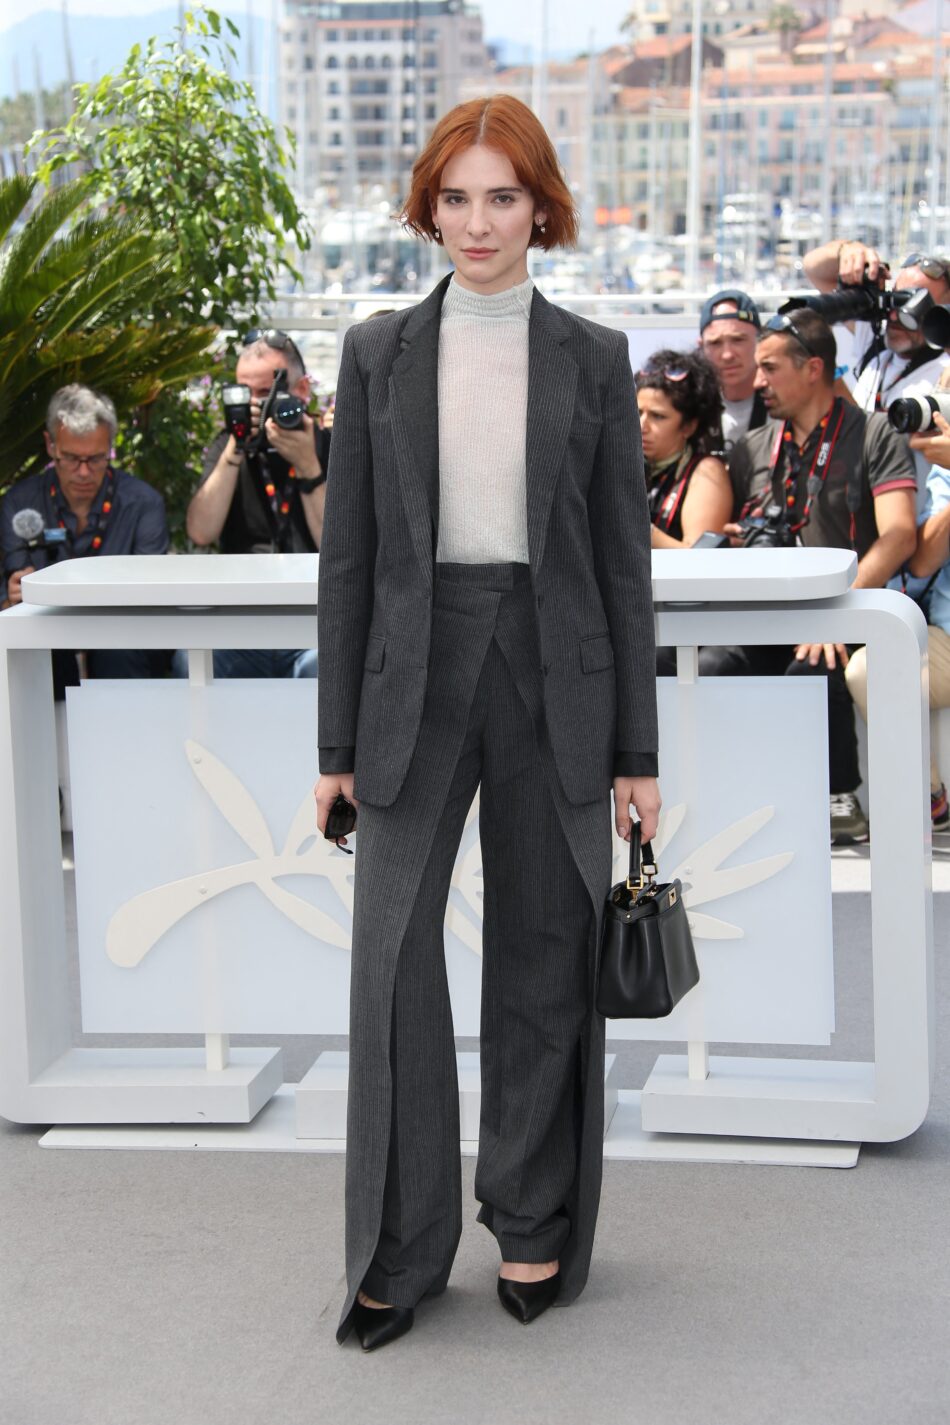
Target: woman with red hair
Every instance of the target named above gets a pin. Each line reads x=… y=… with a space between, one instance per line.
x=485 y=624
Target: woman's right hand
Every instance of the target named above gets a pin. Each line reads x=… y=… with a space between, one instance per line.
x=327 y=790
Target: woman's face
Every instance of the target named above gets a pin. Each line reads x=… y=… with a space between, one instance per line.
x=486 y=218
x=664 y=430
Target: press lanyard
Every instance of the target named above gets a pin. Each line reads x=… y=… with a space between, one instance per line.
x=820 y=465
x=668 y=494
x=102 y=516
x=277 y=503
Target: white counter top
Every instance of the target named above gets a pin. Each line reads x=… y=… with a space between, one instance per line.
x=255 y=580
x=176 y=581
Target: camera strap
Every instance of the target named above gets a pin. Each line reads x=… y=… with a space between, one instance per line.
x=276 y=500
x=830 y=426
x=667 y=492
x=920 y=357
x=61 y=505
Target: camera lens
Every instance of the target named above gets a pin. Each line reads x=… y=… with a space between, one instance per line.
x=911 y=413
x=288 y=411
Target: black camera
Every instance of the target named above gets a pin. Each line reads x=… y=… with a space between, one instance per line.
x=280 y=405
x=913 y=413
x=865 y=303
x=770 y=530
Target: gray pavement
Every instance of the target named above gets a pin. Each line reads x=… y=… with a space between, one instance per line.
x=203 y=1288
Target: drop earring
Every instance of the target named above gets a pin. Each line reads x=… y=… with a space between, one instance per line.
x=437 y=233
x=540 y=226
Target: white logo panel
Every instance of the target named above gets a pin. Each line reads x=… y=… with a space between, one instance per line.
x=207 y=902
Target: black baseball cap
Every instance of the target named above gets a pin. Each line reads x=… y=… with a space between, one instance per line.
x=745 y=309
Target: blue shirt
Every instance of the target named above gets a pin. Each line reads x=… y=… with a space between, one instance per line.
x=135 y=525
x=938 y=497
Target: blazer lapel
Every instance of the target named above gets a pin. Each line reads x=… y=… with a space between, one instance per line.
x=414 y=403
x=552 y=381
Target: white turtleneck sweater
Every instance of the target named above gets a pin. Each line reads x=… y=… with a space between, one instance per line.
x=483 y=401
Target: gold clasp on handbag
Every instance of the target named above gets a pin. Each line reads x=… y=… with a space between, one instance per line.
x=648 y=874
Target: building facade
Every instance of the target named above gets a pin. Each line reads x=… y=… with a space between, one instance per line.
x=362 y=82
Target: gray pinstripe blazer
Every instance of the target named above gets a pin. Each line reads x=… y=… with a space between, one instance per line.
x=588 y=541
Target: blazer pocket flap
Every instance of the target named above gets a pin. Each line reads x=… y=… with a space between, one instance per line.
x=596 y=653
x=375 y=653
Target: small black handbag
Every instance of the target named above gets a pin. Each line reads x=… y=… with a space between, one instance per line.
x=647 y=957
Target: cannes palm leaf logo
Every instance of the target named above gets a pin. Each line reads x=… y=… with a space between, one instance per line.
x=141 y=922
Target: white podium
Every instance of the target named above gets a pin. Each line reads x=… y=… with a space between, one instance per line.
x=701 y=597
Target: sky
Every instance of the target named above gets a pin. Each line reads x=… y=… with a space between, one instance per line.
x=569 y=24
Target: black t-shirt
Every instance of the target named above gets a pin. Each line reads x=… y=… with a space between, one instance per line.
x=869 y=457
x=251 y=526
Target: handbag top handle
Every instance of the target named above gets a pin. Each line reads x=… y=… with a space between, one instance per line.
x=643 y=867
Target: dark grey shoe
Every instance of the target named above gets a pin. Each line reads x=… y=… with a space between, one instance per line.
x=848 y=822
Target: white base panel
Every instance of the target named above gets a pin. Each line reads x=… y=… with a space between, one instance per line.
x=274 y=1130
x=628 y=1140
x=756 y=1098
x=118 y=1086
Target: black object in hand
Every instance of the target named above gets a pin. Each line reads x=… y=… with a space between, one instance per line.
x=341 y=819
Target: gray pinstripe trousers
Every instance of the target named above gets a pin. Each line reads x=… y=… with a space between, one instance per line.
x=546 y=870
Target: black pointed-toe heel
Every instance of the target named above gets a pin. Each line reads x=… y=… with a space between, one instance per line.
x=377 y=1326
x=527 y=1300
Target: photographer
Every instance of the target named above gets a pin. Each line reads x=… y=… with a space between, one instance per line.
x=79 y=507
x=263 y=489
x=901 y=363
x=831 y=476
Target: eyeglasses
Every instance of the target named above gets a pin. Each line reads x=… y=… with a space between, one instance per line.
x=71 y=463
x=929 y=266
x=278 y=340
x=657 y=371
x=782 y=322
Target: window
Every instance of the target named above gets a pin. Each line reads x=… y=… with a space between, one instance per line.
x=430 y=111
x=333 y=86
x=429 y=86
x=334 y=115
x=369 y=62
x=562 y=118
x=292 y=112
x=331 y=62
x=430 y=59
x=336 y=139
x=408 y=137
x=331 y=36
x=352 y=62
x=408 y=60
x=386 y=61
x=308 y=61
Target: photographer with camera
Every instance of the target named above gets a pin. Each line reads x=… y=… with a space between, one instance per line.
x=892 y=357
x=81 y=506
x=264 y=483
x=827 y=475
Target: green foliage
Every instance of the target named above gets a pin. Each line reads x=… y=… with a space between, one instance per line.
x=181 y=143
x=784 y=18
x=72 y=290
x=166 y=442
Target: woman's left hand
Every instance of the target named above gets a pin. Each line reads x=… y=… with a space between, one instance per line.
x=643 y=794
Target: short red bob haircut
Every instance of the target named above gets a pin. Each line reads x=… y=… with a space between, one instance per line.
x=504 y=123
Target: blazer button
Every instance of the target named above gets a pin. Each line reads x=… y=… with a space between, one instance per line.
x=545 y=668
